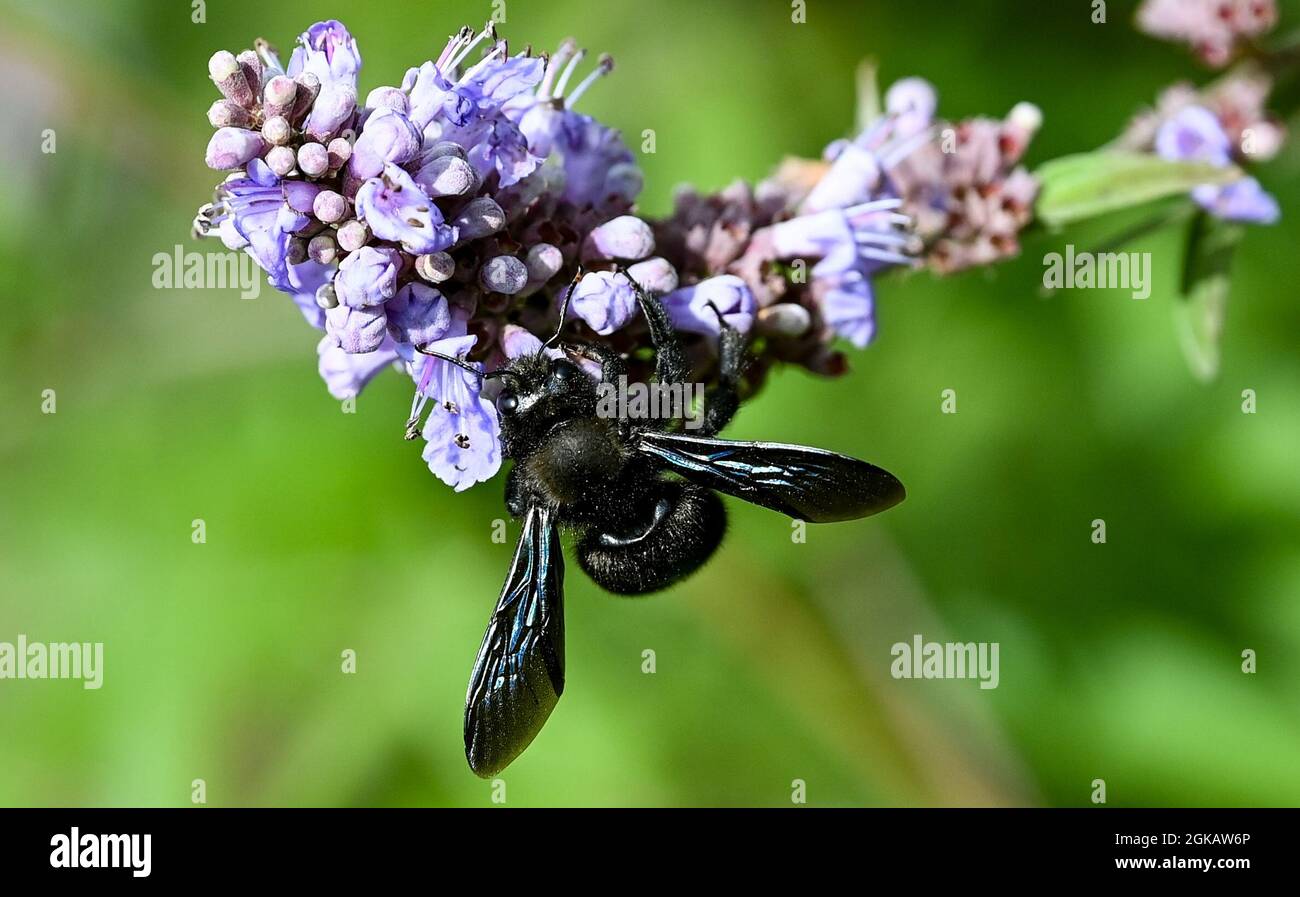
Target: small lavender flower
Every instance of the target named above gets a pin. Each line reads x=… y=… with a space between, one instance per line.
x=418 y=315
x=357 y=330
x=329 y=52
x=368 y=277
x=387 y=136
x=1195 y=135
x=395 y=208
x=463 y=445
x=345 y=375
x=696 y=308
x=605 y=300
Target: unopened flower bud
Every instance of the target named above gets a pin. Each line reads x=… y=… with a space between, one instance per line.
x=308 y=88
x=784 y=319
x=228 y=114
x=482 y=216
x=656 y=276
x=323 y=249
x=447 y=176
x=313 y=159
x=250 y=64
x=297 y=253
x=300 y=195
x=624 y=237
x=352 y=235
x=340 y=150
x=331 y=111
x=329 y=206
x=277 y=131
x=225 y=72
x=325 y=296
x=1026 y=117
x=503 y=274
x=281 y=159
x=279 y=96
x=436 y=267
x=388 y=97
x=544 y=261
x=443 y=148
x=233 y=148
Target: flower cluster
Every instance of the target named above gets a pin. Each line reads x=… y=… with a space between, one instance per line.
x=1215 y=29
x=455 y=213
x=437 y=215
x=809 y=241
x=1224 y=124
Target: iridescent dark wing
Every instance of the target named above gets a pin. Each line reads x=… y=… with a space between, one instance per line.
x=804 y=483
x=519 y=673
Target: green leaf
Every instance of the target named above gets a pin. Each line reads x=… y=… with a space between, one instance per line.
x=1090 y=184
x=1207 y=277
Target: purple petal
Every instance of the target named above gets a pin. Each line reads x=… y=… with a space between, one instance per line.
x=346 y=375
x=397 y=209
x=606 y=300
x=692 y=308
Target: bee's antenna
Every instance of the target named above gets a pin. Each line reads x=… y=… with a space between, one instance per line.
x=564 y=307
x=459 y=362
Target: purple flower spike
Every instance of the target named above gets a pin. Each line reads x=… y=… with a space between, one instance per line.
x=346 y=375
x=397 y=209
x=418 y=315
x=388 y=136
x=232 y=148
x=692 y=308
x=368 y=277
x=357 y=330
x=329 y=52
x=606 y=300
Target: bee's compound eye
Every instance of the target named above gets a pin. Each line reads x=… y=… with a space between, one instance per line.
x=563 y=371
x=507 y=403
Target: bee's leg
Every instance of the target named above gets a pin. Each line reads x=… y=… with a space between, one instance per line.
x=612 y=365
x=722 y=401
x=670 y=360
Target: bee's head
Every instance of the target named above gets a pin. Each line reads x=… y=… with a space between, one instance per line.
x=538 y=391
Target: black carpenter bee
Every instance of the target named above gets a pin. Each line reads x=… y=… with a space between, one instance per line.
x=640 y=500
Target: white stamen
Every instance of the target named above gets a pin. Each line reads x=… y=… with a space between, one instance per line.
x=560 y=58
x=606 y=65
x=460 y=57
x=568 y=72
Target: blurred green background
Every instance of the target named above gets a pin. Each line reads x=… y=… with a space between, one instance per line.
x=325 y=531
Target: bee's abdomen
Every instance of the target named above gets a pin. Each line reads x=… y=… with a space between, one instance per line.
x=655 y=545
